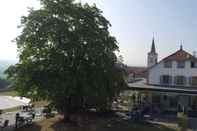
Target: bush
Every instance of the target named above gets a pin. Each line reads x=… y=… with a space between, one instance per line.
x=182 y=121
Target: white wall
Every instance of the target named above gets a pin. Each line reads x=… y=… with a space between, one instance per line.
x=158 y=70
x=130 y=77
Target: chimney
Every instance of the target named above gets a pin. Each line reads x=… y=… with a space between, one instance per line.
x=194 y=53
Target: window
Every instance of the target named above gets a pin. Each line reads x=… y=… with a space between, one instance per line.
x=180 y=64
x=193 y=81
x=173 y=101
x=180 y=80
x=165 y=97
x=166 y=80
x=168 y=64
x=193 y=64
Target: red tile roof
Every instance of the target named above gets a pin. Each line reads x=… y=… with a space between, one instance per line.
x=180 y=55
x=138 y=71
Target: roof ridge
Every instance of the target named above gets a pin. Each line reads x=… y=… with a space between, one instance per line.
x=178 y=58
x=181 y=50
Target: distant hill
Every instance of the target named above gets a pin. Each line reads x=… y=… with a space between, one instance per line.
x=4 y=64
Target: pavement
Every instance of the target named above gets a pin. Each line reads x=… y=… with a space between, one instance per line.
x=170 y=119
x=193 y=123
x=167 y=119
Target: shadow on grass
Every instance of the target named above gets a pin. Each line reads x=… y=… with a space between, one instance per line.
x=33 y=127
x=115 y=124
x=122 y=125
x=99 y=124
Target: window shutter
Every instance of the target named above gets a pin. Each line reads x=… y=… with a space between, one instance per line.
x=190 y=80
x=184 y=80
x=161 y=79
x=170 y=80
x=175 y=80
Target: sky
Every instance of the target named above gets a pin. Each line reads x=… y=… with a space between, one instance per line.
x=133 y=24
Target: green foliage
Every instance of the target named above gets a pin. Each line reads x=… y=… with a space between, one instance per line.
x=8 y=93
x=67 y=57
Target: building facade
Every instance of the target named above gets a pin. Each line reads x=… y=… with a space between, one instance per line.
x=177 y=70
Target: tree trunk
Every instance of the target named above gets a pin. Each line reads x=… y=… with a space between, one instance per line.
x=67 y=117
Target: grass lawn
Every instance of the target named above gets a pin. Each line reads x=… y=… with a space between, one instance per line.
x=56 y=124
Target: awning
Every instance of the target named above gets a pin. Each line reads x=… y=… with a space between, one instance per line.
x=7 y=102
x=142 y=86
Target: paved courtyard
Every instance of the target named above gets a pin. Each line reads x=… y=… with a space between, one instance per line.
x=11 y=117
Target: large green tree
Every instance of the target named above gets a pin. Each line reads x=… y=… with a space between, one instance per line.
x=67 y=57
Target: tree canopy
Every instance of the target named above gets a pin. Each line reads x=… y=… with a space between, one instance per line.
x=67 y=56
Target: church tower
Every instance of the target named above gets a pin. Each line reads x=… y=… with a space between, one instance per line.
x=152 y=55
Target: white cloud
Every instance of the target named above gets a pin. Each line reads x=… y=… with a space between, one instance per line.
x=11 y=12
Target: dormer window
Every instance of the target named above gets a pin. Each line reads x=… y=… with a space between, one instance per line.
x=180 y=64
x=168 y=64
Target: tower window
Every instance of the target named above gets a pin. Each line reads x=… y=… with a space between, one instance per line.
x=151 y=60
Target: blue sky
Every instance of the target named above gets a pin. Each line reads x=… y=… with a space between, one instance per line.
x=133 y=23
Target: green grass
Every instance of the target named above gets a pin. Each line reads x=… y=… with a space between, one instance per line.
x=8 y=93
x=115 y=124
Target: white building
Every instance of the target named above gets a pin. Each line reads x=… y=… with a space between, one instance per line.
x=171 y=83
x=176 y=70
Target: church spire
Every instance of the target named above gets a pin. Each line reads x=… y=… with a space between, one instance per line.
x=181 y=47
x=152 y=55
x=153 y=50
